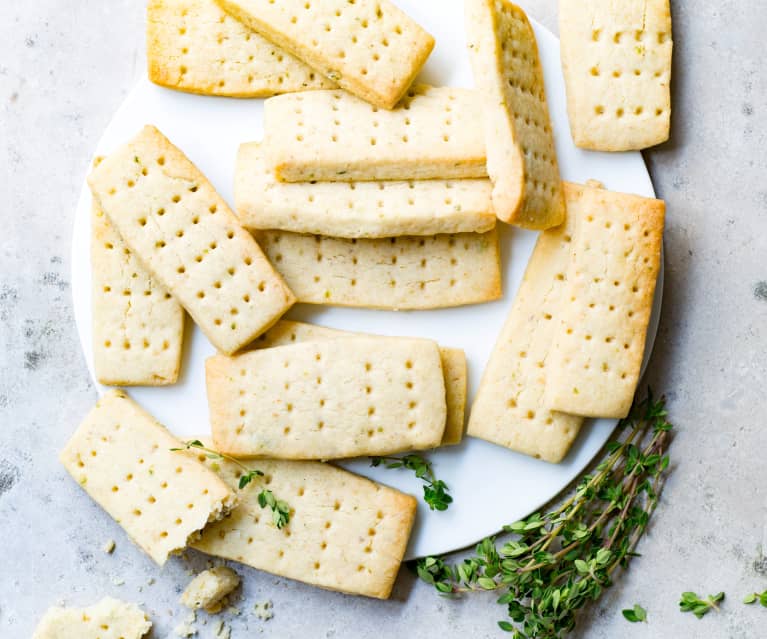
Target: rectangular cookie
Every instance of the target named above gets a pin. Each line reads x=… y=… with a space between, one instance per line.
x=195 y=46
x=357 y=209
x=108 y=619
x=509 y=409
x=331 y=136
x=600 y=339
x=616 y=58
x=122 y=458
x=454 y=367
x=521 y=157
x=399 y=273
x=346 y=532
x=180 y=228
x=328 y=399
x=371 y=49
x=138 y=328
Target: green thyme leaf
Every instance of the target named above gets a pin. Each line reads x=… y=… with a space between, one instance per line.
x=635 y=614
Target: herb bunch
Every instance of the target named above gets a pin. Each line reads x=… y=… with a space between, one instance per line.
x=280 y=509
x=435 y=491
x=559 y=561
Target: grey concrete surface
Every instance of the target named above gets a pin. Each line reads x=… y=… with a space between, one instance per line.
x=65 y=65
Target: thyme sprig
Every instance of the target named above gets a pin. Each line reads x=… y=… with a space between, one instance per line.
x=557 y=562
x=435 y=491
x=761 y=597
x=280 y=509
x=691 y=602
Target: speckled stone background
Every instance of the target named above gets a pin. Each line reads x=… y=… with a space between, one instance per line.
x=65 y=65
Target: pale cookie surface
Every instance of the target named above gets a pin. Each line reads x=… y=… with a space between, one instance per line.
x=181 y=229
x=138 y=328
x=345 y=533
x=521 y=158
x=358 y=209
x=121 y=456
x=454 y=367
x=598 y=350
x=616 y=57
x=209 y=589
x=400 y=273
x=332 y=136
x=509 y=408
x=195 y=46
x=328 y=399
x=371 y=49
x=108 y=619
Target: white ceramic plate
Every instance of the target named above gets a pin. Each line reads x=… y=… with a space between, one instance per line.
x=491 y=486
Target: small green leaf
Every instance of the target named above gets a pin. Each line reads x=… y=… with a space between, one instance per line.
x=505 y=625
x=630 y=615
x=749 y=599
x=640 y=612
x=581 y=566
x=555 y=599
x=486 y=583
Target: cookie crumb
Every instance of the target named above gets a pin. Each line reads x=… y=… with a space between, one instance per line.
x=263 y=610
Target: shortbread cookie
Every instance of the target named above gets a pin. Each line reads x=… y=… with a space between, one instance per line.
x=138 y=328
x=332 y=136
x=175 y=223
x=455 y=370
x=345 y=533
x=195 y=46
x=509 y=408
x=209 y=590
x=454 y=367
x=122 y=458
x=108 y=619
x=396 y=273
x=328 y=399
x=597 y=355
x=371 y=49
x=521 y=157
x=616 y=57
x=358 y=209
